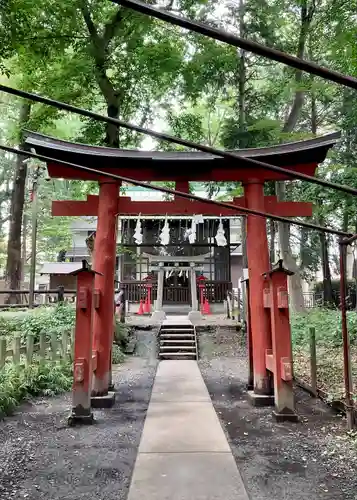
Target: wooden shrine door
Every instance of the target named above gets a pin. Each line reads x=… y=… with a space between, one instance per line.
x=177 y=287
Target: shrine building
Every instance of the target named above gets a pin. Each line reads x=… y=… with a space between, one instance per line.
x=221 y=265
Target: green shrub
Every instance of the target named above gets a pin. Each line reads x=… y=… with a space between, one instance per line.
x=46 y=320
x=117 y=355
x=319 y=286
x=19 y=382
x=327 y=324
x=121 y=334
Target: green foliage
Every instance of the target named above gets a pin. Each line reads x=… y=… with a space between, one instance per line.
x=351 y=285
x=260 y=133
x=41 y=320
x=121 y=334
x=109 y=59
x=40 y=379
x=117 y=355
x=327 y=324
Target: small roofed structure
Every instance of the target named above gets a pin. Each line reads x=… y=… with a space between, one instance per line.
x=60 y=274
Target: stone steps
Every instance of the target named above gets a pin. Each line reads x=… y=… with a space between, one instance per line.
x=177 y=341
x=164 y=342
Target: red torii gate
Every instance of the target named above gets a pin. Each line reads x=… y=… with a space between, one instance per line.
x=181 y=167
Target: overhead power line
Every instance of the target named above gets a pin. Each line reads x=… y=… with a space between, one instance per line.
x=248 y=45
x=177 y=140
x=181 y=194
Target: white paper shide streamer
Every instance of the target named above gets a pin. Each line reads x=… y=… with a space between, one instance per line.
x=165 y=233
x=138 y=234
x=191 y=232
x=220 y=236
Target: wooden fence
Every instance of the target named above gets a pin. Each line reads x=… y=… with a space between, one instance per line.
x=56 y=349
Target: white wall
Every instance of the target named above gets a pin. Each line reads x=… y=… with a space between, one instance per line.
x=81 y=226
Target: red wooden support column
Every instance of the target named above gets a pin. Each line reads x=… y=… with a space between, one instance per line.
x=258 y=263
x=82 y=366
x=279 y=358
x=103 y=324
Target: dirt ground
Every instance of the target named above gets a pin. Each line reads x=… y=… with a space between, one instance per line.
x=314 y=459
x=41 y=458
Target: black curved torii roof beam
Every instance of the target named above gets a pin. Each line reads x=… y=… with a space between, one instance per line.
x=305 y=155
x=187 y=196
x=293 y=152
x=169 y=138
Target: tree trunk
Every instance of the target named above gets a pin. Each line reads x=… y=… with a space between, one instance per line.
x=14 y=261
x=307 y=13
x=345 y=227
x=242 y=77
x=90 y=245
x=326 y=271
x=99 y=49
x=304 y=256
x=24 y=246
x=112 y=139
x=295 y=285
x=313 y=112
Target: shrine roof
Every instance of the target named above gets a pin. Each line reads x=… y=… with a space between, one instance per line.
x=60 y=267
x=130 y=161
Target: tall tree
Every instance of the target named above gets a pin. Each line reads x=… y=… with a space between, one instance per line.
x=14 y=260
x=307 y=10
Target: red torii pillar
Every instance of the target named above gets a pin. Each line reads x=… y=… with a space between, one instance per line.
x=279 y=358
x=258 y=260
x=105 y=257
x=82 y=363
x=106 y=209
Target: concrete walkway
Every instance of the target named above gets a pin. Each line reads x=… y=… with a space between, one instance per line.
x=183 y=453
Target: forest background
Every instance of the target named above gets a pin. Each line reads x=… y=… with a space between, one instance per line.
x=111 y=60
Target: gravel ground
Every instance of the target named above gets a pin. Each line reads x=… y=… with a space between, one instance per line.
x=314 y=459
x=41 y=458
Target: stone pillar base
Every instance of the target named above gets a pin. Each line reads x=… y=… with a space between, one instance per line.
x=194 y=316
x=285 y=416
x=106 y=401
x=80 y=417
x=260 y=400
x=158 y=316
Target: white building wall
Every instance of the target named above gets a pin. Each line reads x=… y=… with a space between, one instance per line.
x=82 y=226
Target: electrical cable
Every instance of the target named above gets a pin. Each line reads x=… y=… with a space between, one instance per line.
x=187 y=196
